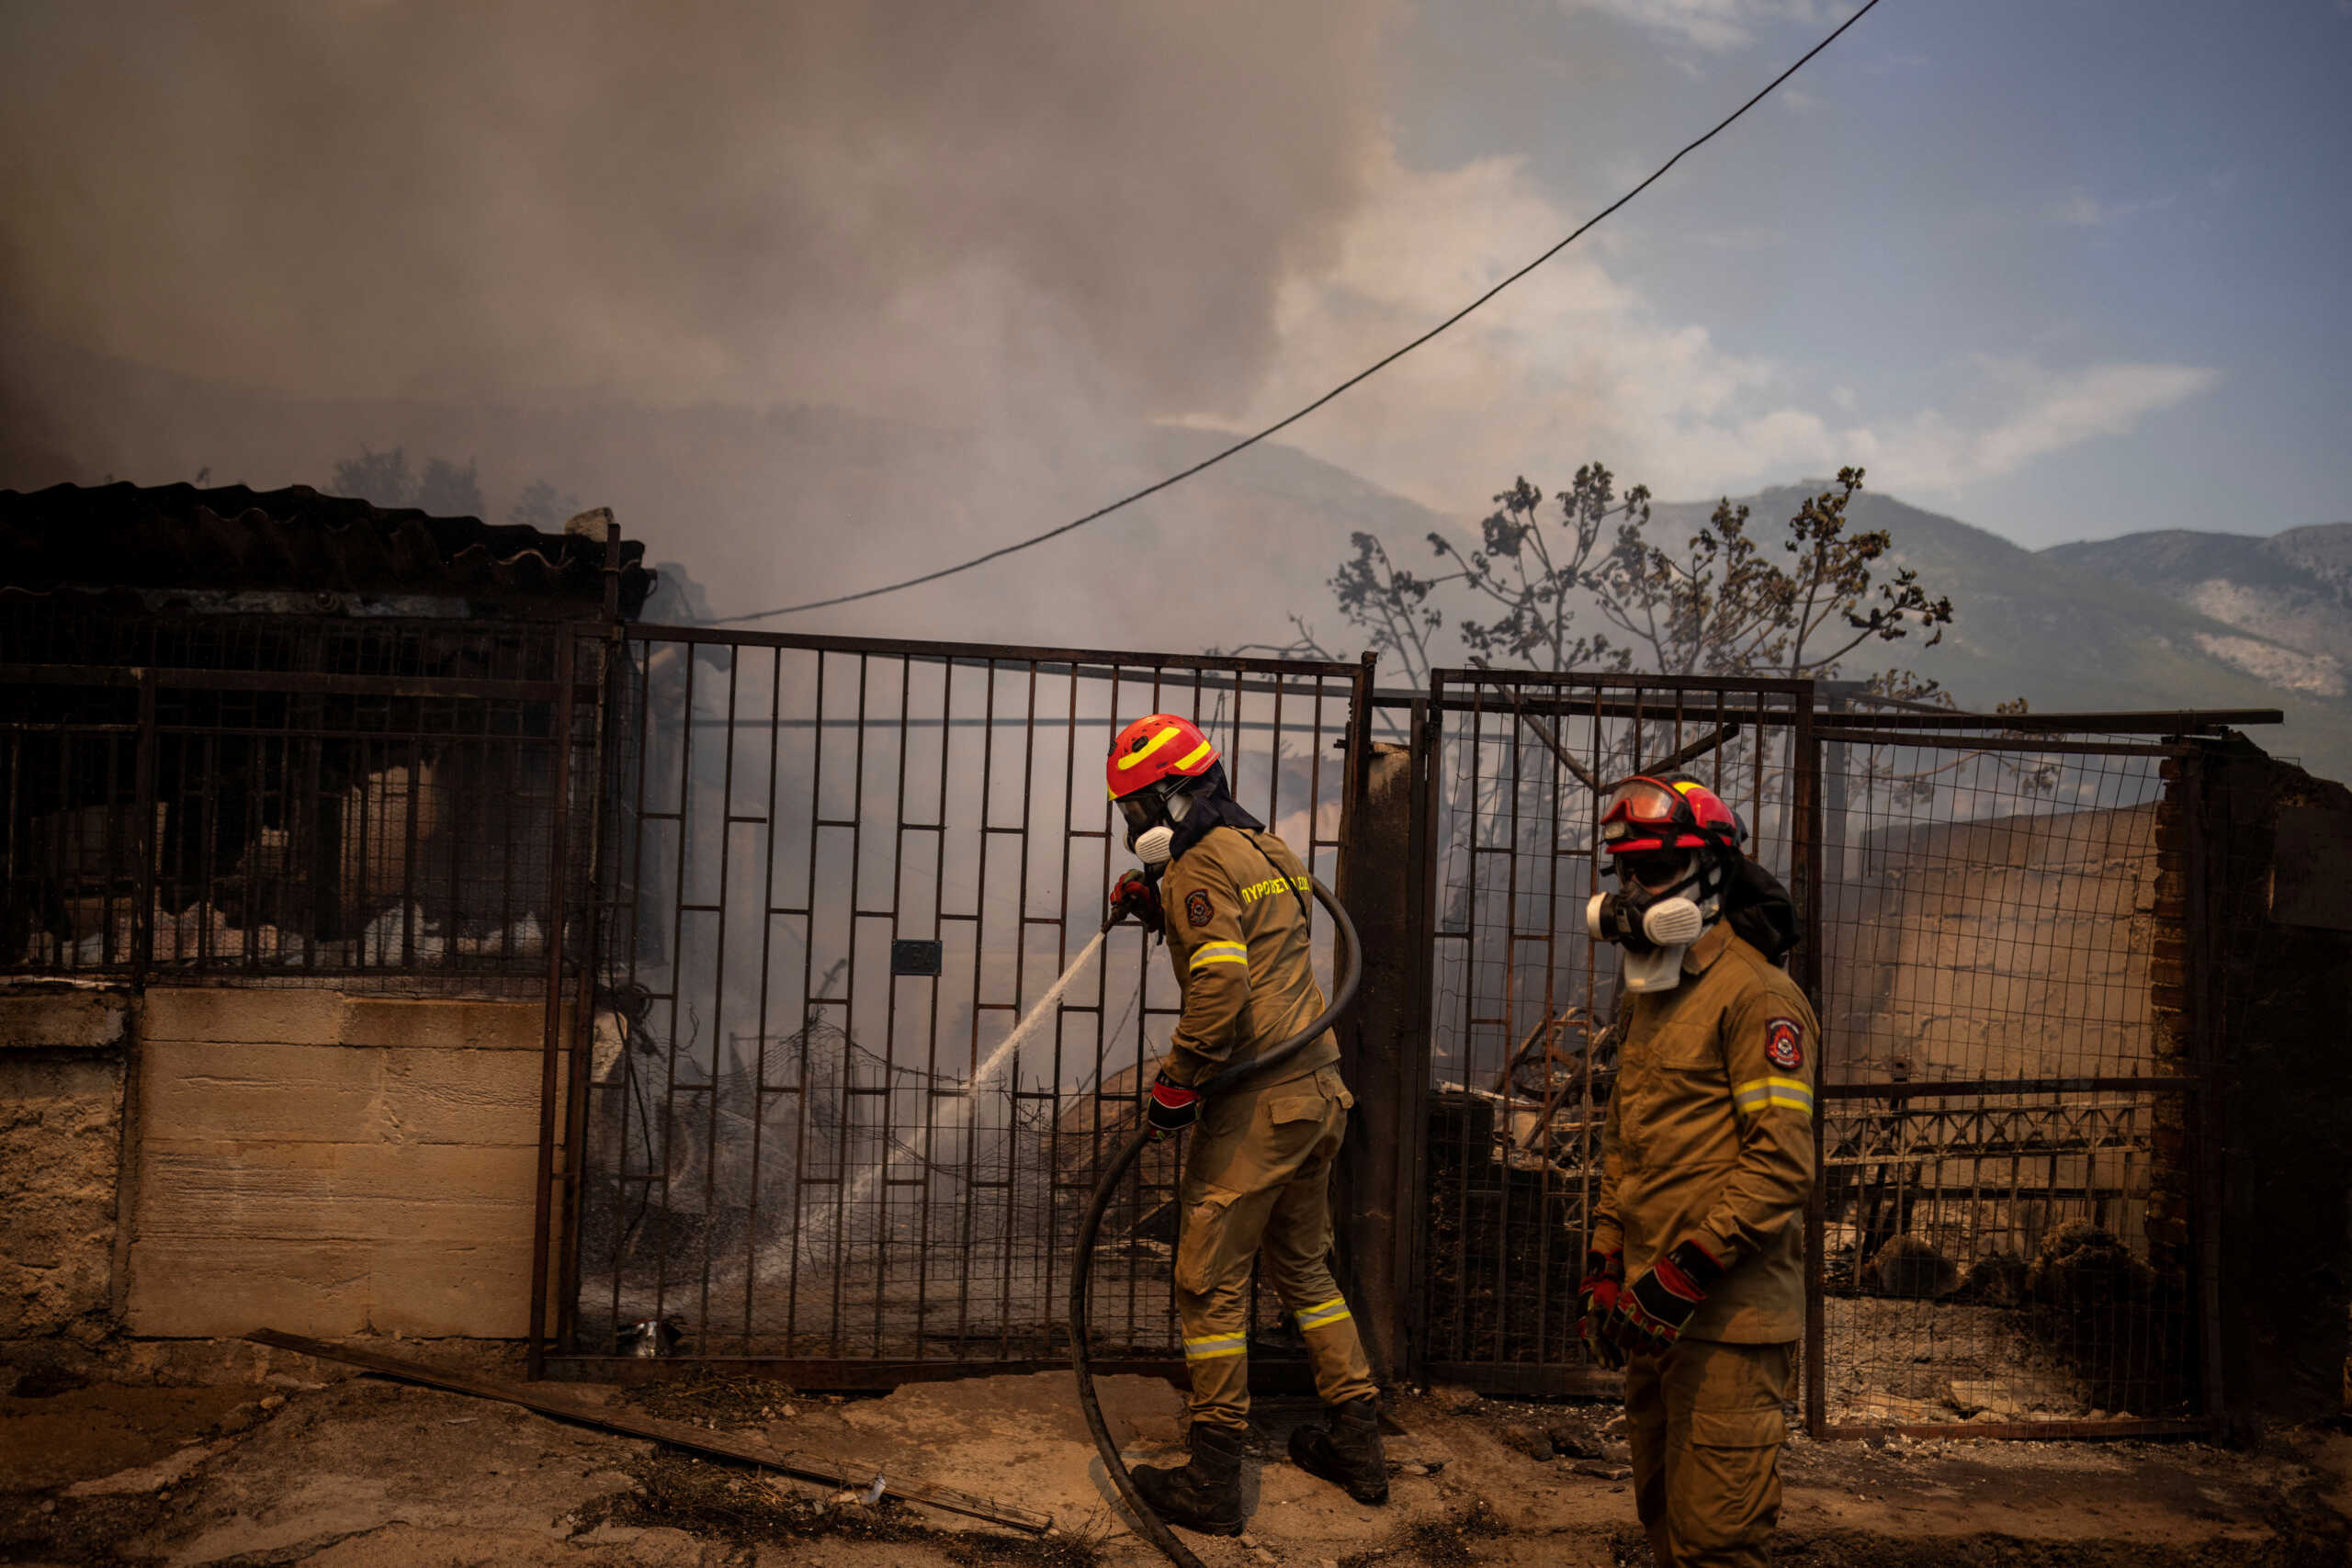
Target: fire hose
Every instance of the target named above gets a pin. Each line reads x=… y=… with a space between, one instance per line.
x=1350 y=958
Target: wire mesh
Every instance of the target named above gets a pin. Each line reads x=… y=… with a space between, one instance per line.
x=1520 y=1053
x=2006 y=1180
x=799 y=1145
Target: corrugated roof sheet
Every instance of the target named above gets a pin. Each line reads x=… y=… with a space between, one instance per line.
x=235 y=539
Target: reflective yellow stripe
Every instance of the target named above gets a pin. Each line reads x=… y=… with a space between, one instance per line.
x=1193 y=756
x=1215 y=1345
x=1788 y=1094
x=1148 y=746
x=1220 y=953
x=1330 y=1311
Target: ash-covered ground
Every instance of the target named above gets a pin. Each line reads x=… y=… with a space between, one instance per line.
x=192 y=1454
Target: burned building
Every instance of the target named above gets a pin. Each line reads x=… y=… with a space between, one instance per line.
x=279 y=779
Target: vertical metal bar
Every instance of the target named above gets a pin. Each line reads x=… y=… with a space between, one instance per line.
x=970 y=1091
x=1020 y=972
x=1507 y=778
x=890 y=996
x=938 y=929
x=719 y=1051
x=809 y=1015
x=142 y=912
x=767 y=944
x=587 y=967
x=1805 y=866
x=1053 y=1136
x=624 y=1232
x=848 y=1016
x=1412 y=1195
x=543 y=1192
x=677 y=963
x=2206 y=1112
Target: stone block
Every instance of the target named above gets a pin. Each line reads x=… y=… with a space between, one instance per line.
x=444 y=1025
x=61 y=1121
x=292 y=1016
x=480 y=1287
x=73 y=1019
x=197 y=1286
x=256 y=1092
x=235 y=1192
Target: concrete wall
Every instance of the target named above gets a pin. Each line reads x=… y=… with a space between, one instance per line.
x=2012 y=948
x=331 y=1165
x=62 y=1059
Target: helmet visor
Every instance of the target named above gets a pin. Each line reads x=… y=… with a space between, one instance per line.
x=1656 y=871
x=1142 y=809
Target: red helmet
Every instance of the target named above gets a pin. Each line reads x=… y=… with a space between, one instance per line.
x=1159 y=746
x=1670 y=813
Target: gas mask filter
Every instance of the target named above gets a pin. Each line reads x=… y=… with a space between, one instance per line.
x=1153 y=844
x=1654 y=927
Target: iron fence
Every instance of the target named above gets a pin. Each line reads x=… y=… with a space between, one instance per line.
x=264 y=798
x=2009 y=1227
x=864 y=1050
x=1520 y=1053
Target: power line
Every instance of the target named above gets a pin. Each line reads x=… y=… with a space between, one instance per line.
x=1363 y=374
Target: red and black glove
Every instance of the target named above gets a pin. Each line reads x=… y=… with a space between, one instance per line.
x=1134 y=898
x=1597 y=1293
x=1171 y=1108
x=1652 y=1310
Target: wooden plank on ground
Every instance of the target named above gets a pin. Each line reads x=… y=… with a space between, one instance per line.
x=805 y=1467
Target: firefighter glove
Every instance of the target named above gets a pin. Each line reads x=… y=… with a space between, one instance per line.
x=1134 y=898
x=1651 y=1311
x=1171 y=1108
x=1604 y=1280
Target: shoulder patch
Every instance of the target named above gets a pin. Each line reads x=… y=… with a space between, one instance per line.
x=1196 y=907
x=1784 y=1044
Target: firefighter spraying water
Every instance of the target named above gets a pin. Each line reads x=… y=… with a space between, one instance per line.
x=1252 y=1070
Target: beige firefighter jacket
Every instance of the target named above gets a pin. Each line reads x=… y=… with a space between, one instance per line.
x=1709 y=1136
x=1243 y=952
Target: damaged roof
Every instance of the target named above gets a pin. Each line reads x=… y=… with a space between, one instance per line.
x=232 y=539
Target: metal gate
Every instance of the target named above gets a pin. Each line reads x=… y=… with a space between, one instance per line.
x=2012 y=1225
x=801 y=1120
x=2013 y=1164
x=1521 y=997
x=835 y=876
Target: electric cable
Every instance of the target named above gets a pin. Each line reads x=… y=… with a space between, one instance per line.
x=1366 y=374
x=1156 y=1529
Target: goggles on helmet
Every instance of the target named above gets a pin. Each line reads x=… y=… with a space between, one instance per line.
x=1644 y=814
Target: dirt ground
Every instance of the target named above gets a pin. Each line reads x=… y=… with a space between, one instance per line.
x=270 y=1457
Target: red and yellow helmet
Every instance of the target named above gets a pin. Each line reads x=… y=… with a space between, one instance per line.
x=1159 y=746
x=1667 y=813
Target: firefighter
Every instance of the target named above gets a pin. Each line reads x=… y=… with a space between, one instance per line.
x=1695 y=1283
x=1231 y=901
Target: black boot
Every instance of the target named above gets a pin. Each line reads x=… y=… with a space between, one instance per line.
x=1345 y=1451
x=1205 y=1495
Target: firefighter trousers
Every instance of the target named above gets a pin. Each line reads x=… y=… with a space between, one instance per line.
x=1257 y=1184
x=1706 y=1430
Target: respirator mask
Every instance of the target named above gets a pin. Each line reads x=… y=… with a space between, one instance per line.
x=1662 y=907
x=1152 y=816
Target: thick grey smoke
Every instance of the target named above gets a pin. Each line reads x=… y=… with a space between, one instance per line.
x=899 y=207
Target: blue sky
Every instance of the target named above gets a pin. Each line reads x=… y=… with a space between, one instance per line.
x=2089 y=254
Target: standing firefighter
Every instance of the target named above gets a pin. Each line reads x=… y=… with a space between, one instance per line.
x=1695 y=1283
x=1231 y=900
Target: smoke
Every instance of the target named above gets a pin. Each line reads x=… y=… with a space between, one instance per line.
x=945 y=213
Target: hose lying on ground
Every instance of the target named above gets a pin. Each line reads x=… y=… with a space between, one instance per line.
x=1350 y=958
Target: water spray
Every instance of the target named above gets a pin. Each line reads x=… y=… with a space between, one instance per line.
x=1349 y=963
